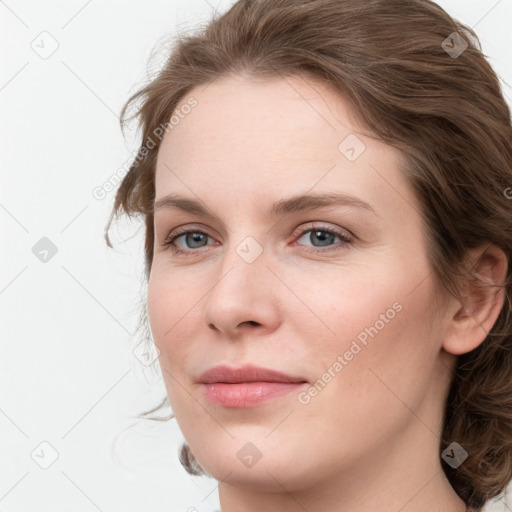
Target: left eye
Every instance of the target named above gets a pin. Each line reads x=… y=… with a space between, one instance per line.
x=324 y=237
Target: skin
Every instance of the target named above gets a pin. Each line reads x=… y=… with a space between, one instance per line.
x=369 y=440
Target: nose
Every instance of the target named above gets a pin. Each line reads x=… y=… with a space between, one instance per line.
x=243 y=297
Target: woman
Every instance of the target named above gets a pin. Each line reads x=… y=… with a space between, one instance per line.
x=326 y=190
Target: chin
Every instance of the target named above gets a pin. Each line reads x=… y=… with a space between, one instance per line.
x=272 y=471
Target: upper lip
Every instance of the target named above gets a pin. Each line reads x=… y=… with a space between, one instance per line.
x=247 y=373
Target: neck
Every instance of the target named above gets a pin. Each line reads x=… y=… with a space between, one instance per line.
x=435 y=496
x=388 y=480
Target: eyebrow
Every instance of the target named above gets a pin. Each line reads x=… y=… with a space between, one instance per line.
x=304 y=202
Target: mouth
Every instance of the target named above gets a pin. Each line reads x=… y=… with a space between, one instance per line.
x=248 y=386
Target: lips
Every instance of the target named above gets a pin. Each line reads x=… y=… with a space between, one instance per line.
x=248 y=386
x=247 y=373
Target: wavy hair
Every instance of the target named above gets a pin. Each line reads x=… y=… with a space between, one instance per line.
x=396 y=62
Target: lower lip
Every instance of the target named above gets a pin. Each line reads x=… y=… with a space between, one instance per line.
x=248 y=394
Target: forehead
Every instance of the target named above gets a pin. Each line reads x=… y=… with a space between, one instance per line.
x=247 y=115
x=285 y=134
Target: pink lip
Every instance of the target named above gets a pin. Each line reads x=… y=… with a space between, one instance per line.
x=247 y=386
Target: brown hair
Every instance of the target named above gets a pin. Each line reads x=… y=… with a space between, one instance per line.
x=445 y=112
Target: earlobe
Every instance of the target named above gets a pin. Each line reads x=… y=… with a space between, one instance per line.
x=483 y=298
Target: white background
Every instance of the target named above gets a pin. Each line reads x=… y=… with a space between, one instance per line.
x=68 y=376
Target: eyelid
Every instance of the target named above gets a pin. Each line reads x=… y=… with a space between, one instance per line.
x=186 y=228
x=323 y=226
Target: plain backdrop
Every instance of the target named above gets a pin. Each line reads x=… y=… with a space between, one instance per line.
x=70 y=381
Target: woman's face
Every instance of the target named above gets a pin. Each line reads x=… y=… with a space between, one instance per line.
x=339 y=296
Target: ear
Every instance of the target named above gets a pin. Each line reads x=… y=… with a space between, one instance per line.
x=471 y=321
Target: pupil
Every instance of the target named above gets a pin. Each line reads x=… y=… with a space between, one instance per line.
x=194 y=237
x=324 y=240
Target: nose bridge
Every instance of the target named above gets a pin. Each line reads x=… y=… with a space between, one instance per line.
x=242 y=273
x=242 y=291
x=244 y=257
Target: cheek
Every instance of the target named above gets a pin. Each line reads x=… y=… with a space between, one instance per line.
x=388 y=356
x=352 y=307
x=170 y=315
x=170 y=312
x=160 y=304
x=382 y=321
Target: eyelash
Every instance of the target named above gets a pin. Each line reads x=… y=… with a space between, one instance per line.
x=346 y=241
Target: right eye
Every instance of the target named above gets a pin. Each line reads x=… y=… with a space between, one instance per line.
x=192 y=238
